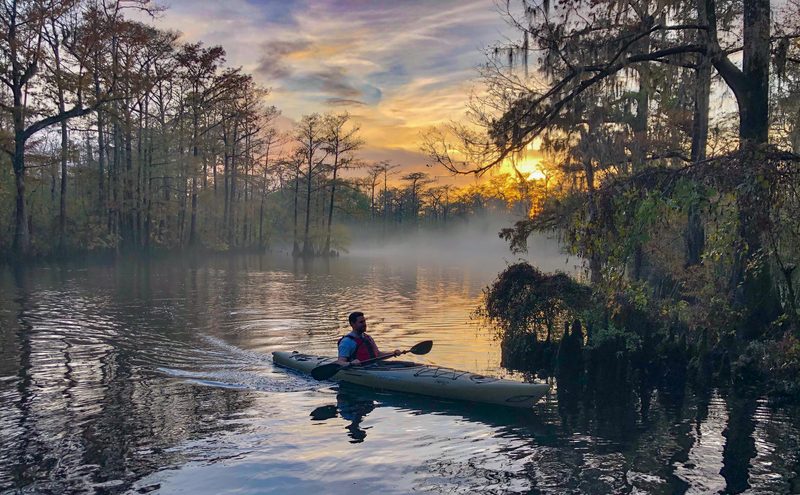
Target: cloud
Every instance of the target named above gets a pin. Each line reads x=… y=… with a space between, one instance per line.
x=272 y=64
x=334 y=80
x=329 y=85
x=343 y=102
x=398 y=67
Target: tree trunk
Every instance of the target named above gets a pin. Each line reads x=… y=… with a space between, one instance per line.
x=751 y=283
x=182 y=178
x=640 y=145
x=295 y=243
x=263 y=198
x=193 y=221
x=128 y=232
x=115 y=172
x=226 y=191
x=261 y=220
x=101 y=164
x=195 y=154
x=372 y=201
x=307 y=249
x=62 y=206
x=595 y=265
x=148 y=191
x=695 y=232
x=232 y=195
x=21 y=243
x=140 y=170
x=327 y=251
x=101 y=148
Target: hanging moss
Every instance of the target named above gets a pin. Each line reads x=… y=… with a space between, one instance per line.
x=524 y=300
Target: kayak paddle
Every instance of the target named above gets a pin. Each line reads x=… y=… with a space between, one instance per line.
x=328 y=370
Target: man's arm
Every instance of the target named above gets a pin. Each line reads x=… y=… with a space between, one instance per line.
x=344 y=362
x=346 y=349
x=395 y=352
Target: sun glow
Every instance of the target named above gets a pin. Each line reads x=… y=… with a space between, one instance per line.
x=528 y=167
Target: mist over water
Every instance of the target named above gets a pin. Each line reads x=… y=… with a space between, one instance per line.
x=475 y=243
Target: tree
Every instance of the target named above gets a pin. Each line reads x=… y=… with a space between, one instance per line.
x=416 y=180
x=272 y=142
x=599 y=48
x=198 y=66
x=311 y=148
x=373 y=177
x=387 y=169
x=340 y=145
x=23 y=52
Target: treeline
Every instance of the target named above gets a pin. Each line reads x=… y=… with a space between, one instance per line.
x=118 y=137
x=671 y=130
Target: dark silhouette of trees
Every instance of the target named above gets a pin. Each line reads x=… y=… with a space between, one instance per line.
x=621 y=96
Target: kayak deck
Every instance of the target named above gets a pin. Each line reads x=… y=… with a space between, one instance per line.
x=417 y=378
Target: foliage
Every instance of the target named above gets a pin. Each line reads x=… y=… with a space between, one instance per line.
x=678 y=169
x=523 y=300
x=620 y=337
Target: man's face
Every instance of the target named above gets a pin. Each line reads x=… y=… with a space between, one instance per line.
x=360 y=325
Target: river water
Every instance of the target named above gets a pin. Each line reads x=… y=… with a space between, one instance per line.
x=156 y=377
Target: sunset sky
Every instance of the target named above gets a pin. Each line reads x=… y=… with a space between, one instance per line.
x=398 y=66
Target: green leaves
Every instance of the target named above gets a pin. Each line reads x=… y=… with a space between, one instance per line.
x=525 y=300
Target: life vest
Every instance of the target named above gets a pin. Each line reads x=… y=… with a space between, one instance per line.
x=365 y=348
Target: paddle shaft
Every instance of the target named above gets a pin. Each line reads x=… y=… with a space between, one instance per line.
x=379 y=358
x=326 y=371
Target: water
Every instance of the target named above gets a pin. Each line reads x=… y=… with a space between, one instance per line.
x=156 y=377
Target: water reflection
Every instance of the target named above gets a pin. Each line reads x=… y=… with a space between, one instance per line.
x=351 y=408
x=156 y=377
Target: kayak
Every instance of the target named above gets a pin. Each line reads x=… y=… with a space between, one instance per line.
x=423 y=379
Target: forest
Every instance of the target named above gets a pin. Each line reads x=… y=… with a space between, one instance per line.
x=173 y=223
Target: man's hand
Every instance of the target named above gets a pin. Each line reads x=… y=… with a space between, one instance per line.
x=397 y=352
x=355 y=362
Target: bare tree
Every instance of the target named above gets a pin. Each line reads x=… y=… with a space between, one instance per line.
x=341 y=143
x=311 y=146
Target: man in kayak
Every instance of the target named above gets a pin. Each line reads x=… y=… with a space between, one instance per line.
x=357 y=346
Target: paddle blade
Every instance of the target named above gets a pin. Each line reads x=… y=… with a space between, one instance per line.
x=422 y=348
x=325 y=371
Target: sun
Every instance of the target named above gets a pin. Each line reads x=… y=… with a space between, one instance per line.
x=529 y=167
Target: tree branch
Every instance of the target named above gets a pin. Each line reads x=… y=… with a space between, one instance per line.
x=59 y=117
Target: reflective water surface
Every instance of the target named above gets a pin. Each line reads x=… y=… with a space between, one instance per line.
x=156 y=376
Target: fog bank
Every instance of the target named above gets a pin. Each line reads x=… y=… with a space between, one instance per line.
x=475 y=243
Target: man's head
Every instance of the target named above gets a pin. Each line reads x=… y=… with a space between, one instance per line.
x=357 y=321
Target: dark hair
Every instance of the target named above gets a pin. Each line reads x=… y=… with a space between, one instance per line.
x=354 y=316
